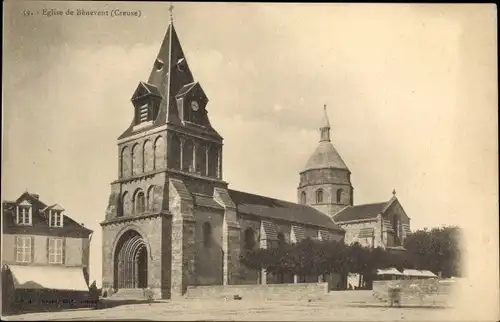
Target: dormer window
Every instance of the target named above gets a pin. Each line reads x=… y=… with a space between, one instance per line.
x=146 y=101
x=23 y=214
x=55 y=218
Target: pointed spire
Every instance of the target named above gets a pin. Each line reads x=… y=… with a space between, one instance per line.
x=325 y=127
x=325 y=123
x=170 y=71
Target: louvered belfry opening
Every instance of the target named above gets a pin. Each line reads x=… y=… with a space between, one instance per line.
x=131 y=262
x=144 y=113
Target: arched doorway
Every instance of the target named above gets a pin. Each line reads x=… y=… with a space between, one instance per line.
x=131 y=261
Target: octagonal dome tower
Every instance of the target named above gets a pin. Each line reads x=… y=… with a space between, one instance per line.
x=325 y=182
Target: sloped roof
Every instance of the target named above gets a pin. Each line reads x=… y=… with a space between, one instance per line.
x=359 y=212
x=167 y=79
x=152 y=89
x=419 y=273
x=206 y=201
x=186 y=88
x=261 y=206
x=38 y=215
x=325 y=156
x=388 y=271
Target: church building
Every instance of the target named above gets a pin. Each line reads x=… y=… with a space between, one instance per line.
x=325 y=184
x=172 y=220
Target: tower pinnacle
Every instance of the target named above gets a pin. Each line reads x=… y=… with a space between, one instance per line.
x=171 y=9
x=325 y=127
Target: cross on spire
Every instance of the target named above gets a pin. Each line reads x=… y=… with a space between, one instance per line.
x=171 y=9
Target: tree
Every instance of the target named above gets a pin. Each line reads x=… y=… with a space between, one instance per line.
x=437 y=250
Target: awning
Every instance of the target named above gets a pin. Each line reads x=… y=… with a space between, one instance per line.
x=48 y=277
x=428 y=273
x=418 y=273
x=388 y=271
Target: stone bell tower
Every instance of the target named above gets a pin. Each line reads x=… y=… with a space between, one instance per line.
x=325 y=182
x=168 y=155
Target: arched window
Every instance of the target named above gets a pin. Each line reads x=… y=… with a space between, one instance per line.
x=201 y=159
x=395 y=225
x=159 y=153
x=303 y=198
x=140 y=202
x=150 y=200
x=249 y=239
x=148 y=156
x=125 y=204
x=281 y=239
x=136 y=160
x=339 y=195
x=319 y=196
x=207 y=234
x=175 y=152
x=187 y=156
x=125 y=162
x=212 y=162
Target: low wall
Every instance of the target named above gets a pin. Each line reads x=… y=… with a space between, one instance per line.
x=264 y=292
x=409 y=288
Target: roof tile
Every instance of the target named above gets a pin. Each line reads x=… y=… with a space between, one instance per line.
x=368 y=211
x=278 y=209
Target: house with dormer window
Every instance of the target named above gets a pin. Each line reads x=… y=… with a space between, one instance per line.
x=44 y=251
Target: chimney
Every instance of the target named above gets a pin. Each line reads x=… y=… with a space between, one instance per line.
x=35 y=195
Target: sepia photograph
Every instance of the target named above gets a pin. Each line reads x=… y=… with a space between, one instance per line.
x=249 y=161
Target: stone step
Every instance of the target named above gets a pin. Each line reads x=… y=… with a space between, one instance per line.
x=129 y=294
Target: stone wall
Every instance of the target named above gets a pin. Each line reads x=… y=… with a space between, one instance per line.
x=142 y=155
x=409 y=288
x=151 y=230
x=266 y=292
x=247 y=275
x=353 y=230
x=208 y=258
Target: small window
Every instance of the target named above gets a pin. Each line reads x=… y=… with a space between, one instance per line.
x=207 y=234
x=319 y=196
x=395 y=225
x=55 y=218
x=339 y=196
x=303 y=198
x=23 y=249
x=24 y=215
x=249 y=239
x=55 y=251
x=159 y=64
x=140 y=203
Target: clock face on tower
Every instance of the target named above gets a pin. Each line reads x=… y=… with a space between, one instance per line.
x=194 y=106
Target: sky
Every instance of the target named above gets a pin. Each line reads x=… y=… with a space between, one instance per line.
x=411 y=93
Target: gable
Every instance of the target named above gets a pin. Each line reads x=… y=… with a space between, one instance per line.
x=360 y=212
x=24 y=203
x=57 y=207
x=395 y=208
x=144 y=89
x=193 y=90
